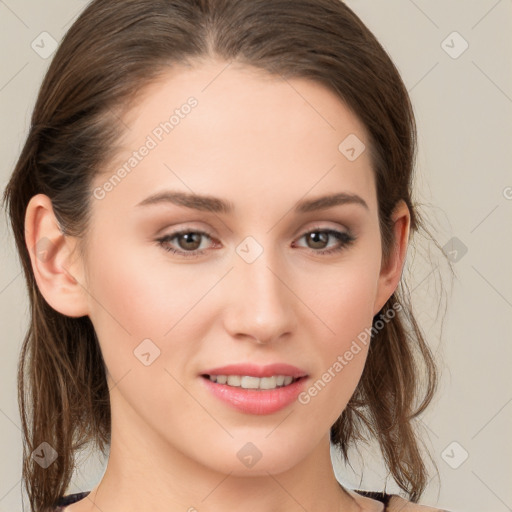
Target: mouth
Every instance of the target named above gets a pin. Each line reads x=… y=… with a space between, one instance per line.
x=254 y=389
x=251 y=382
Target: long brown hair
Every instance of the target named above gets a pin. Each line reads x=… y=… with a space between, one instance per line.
x=113 y=50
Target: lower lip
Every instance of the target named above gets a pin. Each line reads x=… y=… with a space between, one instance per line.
x=254 y=401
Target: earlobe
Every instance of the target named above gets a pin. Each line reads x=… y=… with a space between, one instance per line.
x=57 y=277
x=391 y=273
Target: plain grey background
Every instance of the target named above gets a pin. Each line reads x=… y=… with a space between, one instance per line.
x=455 y=58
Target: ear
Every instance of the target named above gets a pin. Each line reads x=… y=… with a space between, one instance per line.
x=51 y=252
x=391 y=271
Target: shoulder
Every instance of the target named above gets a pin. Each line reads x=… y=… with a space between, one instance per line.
x=397 y=503
x=392 y=502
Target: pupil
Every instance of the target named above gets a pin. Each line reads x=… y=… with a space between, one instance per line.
x=317 y=237
x=189 y=239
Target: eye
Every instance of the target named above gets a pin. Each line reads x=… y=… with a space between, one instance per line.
x=318 y=238
x=189 y=241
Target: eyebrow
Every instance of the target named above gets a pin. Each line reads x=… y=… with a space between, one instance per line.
x=216 y=205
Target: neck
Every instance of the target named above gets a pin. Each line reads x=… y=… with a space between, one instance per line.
x=144 y=473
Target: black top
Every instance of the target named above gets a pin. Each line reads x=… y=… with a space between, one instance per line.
x=72 y=498
x=68 y=499
x=379 y=496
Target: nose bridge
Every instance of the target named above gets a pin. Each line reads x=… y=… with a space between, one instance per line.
x=261 y=304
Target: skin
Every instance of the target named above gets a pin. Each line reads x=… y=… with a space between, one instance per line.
x=262 y=143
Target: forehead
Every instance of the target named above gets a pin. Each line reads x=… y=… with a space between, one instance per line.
x=229 y=93
x=231 y=130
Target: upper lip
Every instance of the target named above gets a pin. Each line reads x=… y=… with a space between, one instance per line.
x=254 y=370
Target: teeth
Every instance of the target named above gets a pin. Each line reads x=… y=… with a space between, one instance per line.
x=250 y=382
x=234 y=380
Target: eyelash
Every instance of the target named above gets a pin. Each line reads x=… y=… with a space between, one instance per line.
x=345 y=239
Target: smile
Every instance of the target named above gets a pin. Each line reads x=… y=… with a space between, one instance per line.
x=250 y=382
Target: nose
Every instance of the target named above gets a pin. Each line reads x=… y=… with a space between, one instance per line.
x=261 y=304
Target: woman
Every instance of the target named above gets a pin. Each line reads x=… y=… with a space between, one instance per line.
x=277 y=139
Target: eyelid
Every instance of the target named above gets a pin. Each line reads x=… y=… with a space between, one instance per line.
x=324 y=227
x=344 y=236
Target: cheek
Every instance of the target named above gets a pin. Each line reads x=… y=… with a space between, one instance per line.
x=137 y=293
x=130 y=302
x=138 y=314
x=343 y=300
x=343 y=296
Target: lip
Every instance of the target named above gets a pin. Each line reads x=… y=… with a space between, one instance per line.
x=254 y=370
x=253 y=401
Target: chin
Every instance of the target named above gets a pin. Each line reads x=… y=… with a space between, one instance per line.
x=255 y=458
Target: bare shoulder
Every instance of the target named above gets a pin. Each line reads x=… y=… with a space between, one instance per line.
x=399 y=504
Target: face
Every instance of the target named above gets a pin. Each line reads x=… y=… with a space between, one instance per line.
x=257 y=273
